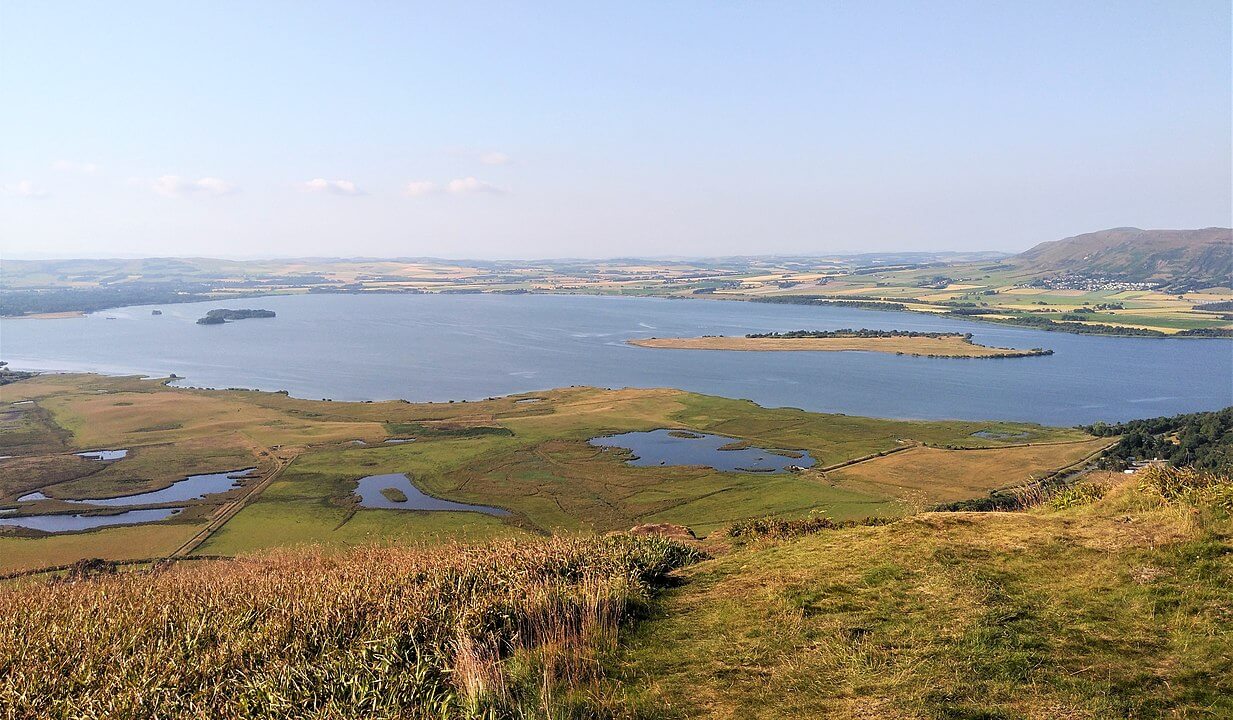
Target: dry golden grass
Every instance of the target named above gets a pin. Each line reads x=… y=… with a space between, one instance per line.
x=501 y=630
x=1117 y=609
x=948 y=346
x=116 y=543
x=929 y=475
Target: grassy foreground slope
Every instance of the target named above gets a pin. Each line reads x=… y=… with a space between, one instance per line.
x=1111 y=600
x=503 y=630
x=1114 y=601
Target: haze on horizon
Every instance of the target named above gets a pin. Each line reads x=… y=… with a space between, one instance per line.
x=478 y=130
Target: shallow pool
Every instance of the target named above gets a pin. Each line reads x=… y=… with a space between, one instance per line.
x=105 y=455
x=369 y=489
x=684 y=447
x=76 y=523
x=193 y=487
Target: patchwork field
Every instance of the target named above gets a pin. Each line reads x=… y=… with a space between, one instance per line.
x=527 y=455
x=944 y=284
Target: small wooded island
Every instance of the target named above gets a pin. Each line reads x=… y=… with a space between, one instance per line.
x=899 y=342
x=218 y=317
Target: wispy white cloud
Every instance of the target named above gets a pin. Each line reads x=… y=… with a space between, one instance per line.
x=420 y=188
x=176 y=186
x=70 y=166
x=458 y=186
x=24 y=188
x=334 y=187
x=495 y=158
x=469 y=185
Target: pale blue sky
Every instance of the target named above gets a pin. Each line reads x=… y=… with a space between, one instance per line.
x=586 y=129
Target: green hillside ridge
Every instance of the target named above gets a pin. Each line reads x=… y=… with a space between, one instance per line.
x=1197 y=258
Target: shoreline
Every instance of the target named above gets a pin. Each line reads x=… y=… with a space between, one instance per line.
x=939 y=346
x=1154 y=333
x=60 y=315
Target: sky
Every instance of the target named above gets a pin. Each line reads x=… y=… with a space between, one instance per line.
x=567 y=129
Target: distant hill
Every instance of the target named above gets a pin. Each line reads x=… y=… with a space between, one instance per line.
x=1180 y=259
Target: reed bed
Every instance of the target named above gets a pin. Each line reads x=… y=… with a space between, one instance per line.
x=508 y=629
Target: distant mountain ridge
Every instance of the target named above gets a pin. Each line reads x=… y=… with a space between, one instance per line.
x=1179 y=259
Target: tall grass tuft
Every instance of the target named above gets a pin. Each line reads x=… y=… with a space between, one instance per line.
x=497 y=630
x=783 y=529
x=1189 y=486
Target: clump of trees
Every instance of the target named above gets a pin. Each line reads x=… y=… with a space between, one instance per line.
x=9 y=375
x=1205 y=332
x=867 y=333
x=222 y=315
x=26 y=302
x=862 y=333
x=1043 y=323
x=819 y=300
x=782 y=529
x=1203 y=440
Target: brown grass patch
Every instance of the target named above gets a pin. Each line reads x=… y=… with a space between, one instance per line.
x=933 y=475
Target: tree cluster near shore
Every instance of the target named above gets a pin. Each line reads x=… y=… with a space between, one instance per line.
x=898 y=342
x=222 y=315
x=862 y=333
x=1203 y=440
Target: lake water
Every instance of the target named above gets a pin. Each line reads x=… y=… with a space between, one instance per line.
x=675 y=447
x=443 y=347
x=193 y=487
x=369 y=489
x=77 y=523
x=104 y=455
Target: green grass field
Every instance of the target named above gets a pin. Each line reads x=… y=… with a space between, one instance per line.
x=1119 y=608
x=532 y=459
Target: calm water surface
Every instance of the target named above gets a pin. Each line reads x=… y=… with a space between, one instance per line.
x=369 y=489
x=104 y=455
x=674 y=447
x=443 y=347
x=193 y=487
x=77 y=523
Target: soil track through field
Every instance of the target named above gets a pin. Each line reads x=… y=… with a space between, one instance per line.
x=230 y=510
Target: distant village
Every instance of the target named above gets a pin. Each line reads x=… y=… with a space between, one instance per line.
x=1088 y=283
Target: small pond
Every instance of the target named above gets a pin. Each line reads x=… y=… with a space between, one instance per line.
x=680 y=447
x=369 y=489
x=75 y=523
x=193 y=487
x=999 y=435
x=105 y=455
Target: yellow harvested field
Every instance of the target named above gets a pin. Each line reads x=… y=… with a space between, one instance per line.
x=931 y=475
x=946 y=346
